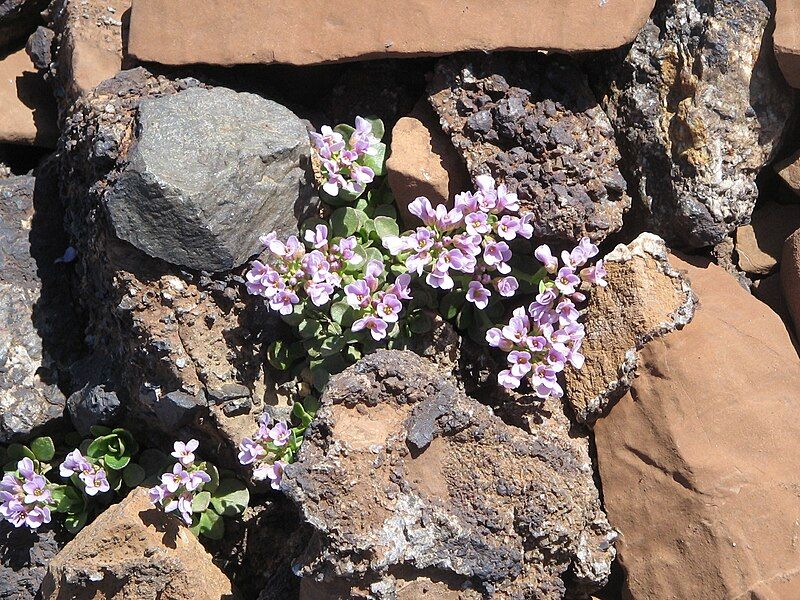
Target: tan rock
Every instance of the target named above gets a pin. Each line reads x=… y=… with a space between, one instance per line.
x=645 y=297
x=790 y=277
x=698 y=463
x=786 y=39
x=423 y=162
x=27 y=107
x=759 y=244
x=90 y=44
x=134 y=551
x=300 y=32
x=789 y=171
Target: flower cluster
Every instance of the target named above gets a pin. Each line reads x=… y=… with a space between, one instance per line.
x=290 y=268
x=543 y=339
x=342 y=160
x=468 y=246
x=376 y=303
x=270 y=449
x=93 y=478
x=25 y=496
x=180 y=485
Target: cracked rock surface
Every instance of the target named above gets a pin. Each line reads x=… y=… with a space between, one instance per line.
x=402 y=476
x=645 y=298
x=699 y=107
x=533 y=123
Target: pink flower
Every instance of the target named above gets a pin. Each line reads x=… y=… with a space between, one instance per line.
x=545 y=256
x=507 y=379
x=185 y=452
x=358 y=294
x=520 y=363
x=389 y=308
x=421 y=207
x=377 y=327
x=318 y=237
x=478 y=295
x=507 y=286
x=280 y=434
x=495 y=338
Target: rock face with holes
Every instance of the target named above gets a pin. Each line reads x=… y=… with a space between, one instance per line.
x=402 y=476
x=695 y=468
x=533 y=123
x=175 y=337
x=38 y=329
x=208 y=172
x=645 y=297
x=135 y=550
x=699 y=107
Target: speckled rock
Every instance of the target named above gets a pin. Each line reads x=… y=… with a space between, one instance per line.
x=699 y=107
x=37 y=326
x=402 y=475
x=645 y=298
x=172 y=335
x=533 y=123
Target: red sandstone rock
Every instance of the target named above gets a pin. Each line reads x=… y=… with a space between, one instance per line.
x=698 y=463
x=27 y=107
x=790 y=277
x=786 y=39
x=300 y=32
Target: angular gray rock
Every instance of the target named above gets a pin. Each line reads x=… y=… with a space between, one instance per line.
x=209 y=172
x=699 y=107
x=24 y=556
x=37 y=326
x=403 y=476
x=533 y=123
x=18 y=19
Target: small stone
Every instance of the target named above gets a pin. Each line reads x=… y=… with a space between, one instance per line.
x=789 y=171
x=174 y=409
x=93 y=405
x=228 y=391
x=39 y=46
x=759 y=245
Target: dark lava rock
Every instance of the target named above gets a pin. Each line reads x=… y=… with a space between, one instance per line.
x=402 y=476
x=209 y=172
x=699 y=107
x=533 y=123
x=24 y=556
x=93 y=405
x=18 y=19
x=39 y=47
x=38 y=329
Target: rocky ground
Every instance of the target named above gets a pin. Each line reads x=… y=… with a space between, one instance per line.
x=145 y=148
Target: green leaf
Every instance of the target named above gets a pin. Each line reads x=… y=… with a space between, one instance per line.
x=451 y=304
x=131 y=445
x=211 y=525
x=421 y=323
x=386 y=210
x=346 y=221
x=279 y=355
x=213 y=472
x=133 y=475
x=18 y=452
x=378 y=128
x=377 y=161
x=345 y=130
x=43 y=448
x=331 y=345
x=230 y=498
x=99 y=446
x=74 y=523
x=342 y=313
x=309 y=328
x=201 y=502
x=117 y=463
x=386 y=227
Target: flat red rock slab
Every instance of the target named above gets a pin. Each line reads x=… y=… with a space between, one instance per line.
x=304 y=32
x=787 y=39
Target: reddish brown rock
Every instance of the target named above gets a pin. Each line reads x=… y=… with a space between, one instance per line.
x=89 y=43
x=423 y=162
x=789 y=171
x=770 y=292
x=301 y=33
x=790 y=277
x=645 y=298
x=27 y=107
x=698 y=465
x=786 y=39
x=134 y=551
x=759 y=244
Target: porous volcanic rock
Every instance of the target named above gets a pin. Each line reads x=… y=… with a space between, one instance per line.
x=790 y=277
x=760 y=243
x=699 y=107
x=402 y=475
x=533 y=123
x=88 y=44
x=230 y=32
x=645 y=298
x=24 y=556
x=423 y=163
x=37 y=326
x=209 y=171
x=696 y=471
x=18 y=19
x=135 y=550
x=174 y=336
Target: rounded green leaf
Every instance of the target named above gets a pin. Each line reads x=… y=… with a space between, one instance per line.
x=133 y=475
x=43 y=448
x=211 y=525
x=116 y=463
x=378 y=128
x=377 y=161
x=99 y=446
x=17 y=452
x=230 y=498
x=345 y=221
x=279 y=355
x=386 y=227
x=74 y=523
x=201 y=502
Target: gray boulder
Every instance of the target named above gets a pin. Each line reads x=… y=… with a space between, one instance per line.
x=24 y=556
x=37 y=326
x=209 y=172
x=699 y=107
